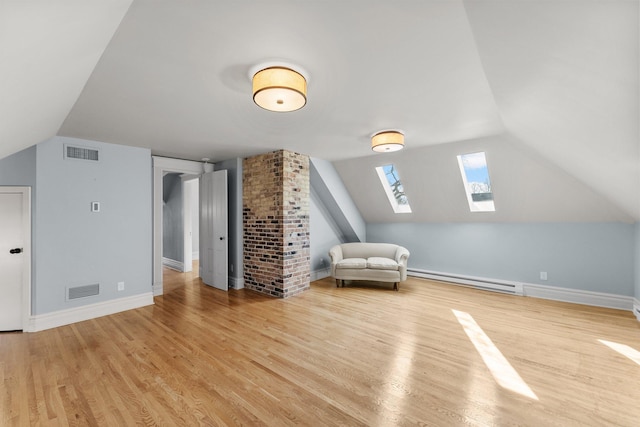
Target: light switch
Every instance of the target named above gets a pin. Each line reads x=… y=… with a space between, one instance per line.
x=95 y=206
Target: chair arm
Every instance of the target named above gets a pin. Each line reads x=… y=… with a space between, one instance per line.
x=402 y=257
x=335 y=253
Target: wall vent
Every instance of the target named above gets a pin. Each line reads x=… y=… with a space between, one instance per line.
x=81 y=153
x=83 y=291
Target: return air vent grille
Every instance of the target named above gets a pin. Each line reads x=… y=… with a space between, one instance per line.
x=83 y=291
x=81 y=153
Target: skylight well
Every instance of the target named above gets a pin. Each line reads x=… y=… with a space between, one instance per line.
x=475 y=177
x=393 y=188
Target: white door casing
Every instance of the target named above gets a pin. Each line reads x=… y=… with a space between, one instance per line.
x=162 y=165
x=213 y=229
x=15 y=258
x=187 y=252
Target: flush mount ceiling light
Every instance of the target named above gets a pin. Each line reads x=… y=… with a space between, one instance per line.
x=386 y=141
x=279 y=88
x=206 y=166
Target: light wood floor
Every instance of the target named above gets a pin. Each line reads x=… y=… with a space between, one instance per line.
x=354 y=356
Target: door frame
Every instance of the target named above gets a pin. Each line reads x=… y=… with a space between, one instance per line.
x=26 y=264
x=187 y=223
x=162 y=166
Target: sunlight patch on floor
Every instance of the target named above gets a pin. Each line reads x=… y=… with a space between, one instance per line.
x=398 y=382
x=498 y=365
x=624 y=350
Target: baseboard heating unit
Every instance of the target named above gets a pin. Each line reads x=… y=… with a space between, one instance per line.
x=503 y=286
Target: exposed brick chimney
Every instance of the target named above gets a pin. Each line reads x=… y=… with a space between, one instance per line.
x=275 y=219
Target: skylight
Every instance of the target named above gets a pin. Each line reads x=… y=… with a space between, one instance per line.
x=475 y=177
x=393 y=188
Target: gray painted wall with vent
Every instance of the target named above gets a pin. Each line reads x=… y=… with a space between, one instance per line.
x=588 y=256
x=77 y=247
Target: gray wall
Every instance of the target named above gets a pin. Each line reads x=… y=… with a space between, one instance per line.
x=637 y=260
x=234 y=193
x=587 y=256
x=324 y=233
x=331 y=191
x=19 y=169
x=172 y=218
x=75 y=246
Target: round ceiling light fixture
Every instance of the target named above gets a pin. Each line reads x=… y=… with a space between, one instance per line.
x=387 y=141
x=279 y=88
x=206 y=166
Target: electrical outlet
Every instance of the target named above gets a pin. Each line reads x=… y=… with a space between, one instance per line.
x=120 y=286
x=543 y=275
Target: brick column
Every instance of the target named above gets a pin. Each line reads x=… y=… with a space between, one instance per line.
x=275 y=218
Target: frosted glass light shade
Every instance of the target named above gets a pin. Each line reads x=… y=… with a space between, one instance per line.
x=387 y=141
x=279 y=89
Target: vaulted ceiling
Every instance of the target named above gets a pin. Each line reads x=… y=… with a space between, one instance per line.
x=550 y=89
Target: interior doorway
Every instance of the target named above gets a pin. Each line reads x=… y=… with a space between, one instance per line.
x=161 y=167
x=180 y=223
x=188 y=170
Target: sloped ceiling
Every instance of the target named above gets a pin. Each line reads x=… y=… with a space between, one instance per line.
x=48 y=50
x=565 y=79
x=554 y=84
x=175 y=78
x=526 y=187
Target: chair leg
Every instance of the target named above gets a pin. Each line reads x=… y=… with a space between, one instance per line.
x=396 y=286
x=337 y=283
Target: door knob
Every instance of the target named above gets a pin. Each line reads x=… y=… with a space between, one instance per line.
x=15 y=251
x=221 y=238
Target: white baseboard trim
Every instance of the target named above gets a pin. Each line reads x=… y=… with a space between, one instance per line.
x=636 y=308
x=578 y=296
x=556 y=293
x=320 y=274
x=236 y=282
x=173 y=264
x=157 y=289
x=195 y=255
x=86 y=312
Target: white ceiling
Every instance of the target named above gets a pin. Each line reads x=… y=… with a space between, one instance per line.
x=48 y=50
x=558 y=80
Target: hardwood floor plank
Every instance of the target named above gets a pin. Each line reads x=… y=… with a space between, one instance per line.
x=362 y=355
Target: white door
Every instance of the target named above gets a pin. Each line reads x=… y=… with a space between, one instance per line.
x=213 y=229
x=13 y=260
